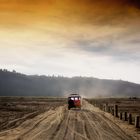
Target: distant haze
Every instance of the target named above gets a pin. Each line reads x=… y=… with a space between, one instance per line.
x=98 y=38
x=16 y=84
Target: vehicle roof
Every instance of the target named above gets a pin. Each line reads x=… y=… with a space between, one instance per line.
x=74 y=95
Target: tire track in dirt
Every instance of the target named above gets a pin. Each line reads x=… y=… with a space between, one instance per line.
x=74 y=126
x=59 y=133
x=34 y=126
x=63 y=124
x=91 y=129
x=104 y=125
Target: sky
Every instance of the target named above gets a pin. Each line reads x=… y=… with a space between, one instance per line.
x=96 y=38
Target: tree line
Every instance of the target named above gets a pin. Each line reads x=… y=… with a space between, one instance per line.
x=17 y=84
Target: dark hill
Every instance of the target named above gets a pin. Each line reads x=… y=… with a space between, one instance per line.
x=16 y=84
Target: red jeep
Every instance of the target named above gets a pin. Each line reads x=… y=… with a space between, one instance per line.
x=74 y=101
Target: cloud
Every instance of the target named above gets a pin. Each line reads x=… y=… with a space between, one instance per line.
x=103 y=12
x=135 y=3
x=109 y=48
x=75 y=35
x=134 y=41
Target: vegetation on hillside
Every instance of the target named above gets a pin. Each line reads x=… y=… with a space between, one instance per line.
x=17 y=84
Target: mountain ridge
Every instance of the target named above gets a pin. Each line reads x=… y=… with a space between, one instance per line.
x=17 y=84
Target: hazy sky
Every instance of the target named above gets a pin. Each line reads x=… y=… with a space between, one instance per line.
x=99 y=38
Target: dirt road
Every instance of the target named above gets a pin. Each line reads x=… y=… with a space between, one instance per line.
x=61 y=124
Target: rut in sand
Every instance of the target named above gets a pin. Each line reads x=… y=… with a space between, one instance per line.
x=63 y=124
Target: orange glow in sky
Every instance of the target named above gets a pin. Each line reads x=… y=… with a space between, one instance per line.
x=71 y=37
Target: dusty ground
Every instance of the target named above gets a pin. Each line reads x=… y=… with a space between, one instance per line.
x=61 y=124
x=16 y=110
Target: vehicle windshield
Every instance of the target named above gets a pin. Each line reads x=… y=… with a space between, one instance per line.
x=74 y=98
